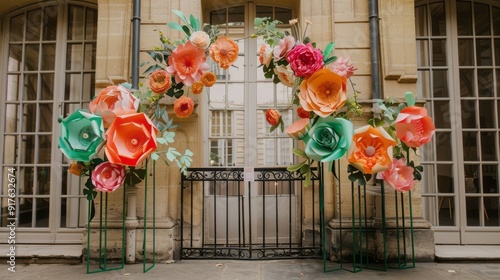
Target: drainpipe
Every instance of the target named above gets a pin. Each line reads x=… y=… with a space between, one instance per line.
x=374 y=48
x=131 y=222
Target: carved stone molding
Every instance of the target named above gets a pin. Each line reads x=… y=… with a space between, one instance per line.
x=397 y=37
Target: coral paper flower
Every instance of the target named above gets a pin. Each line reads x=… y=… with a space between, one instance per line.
x=265 y=55
x=160 y=81
x=197 y=88
x=107 y=177
x=342 y=67
x=298 y=130
x=183 y=107
x=329 y=139
x=130 y=139
x=323 y=92
x=82 y=135
x=208 y=79
x=414 y=127
x=285 y=75
x=187 y=63
x=114 y=101
x=305 y=60
x=273 y=117
x=200 y=39
x=399 y=176
x=371 y=151
x=224 y=51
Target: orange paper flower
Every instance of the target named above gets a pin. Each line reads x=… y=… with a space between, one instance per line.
x=160 y=81
x=187 y=63
x=323 y=92
x=273 y=117
x=130 y=139
x=76 y=169
x=197 y=88
x=183 y=107
x=371 y=150
x=298 y=130
x=208 y=79
x=414 y=127
x=224 y=51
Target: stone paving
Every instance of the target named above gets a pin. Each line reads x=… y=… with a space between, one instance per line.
x=239 y=270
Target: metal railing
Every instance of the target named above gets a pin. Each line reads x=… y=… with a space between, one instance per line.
x=225 y=215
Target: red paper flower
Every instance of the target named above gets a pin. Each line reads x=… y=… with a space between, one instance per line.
x=187 y=63
x=183 y=107
x=273 y=117
x=130 y=139
x=305 y=60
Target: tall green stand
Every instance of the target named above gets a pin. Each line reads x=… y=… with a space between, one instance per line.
x=404 y=256
x=103 y=263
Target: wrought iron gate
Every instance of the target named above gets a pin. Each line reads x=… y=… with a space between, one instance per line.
x=224 y=215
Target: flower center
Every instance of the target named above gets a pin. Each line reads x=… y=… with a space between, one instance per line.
x=370 y=151
x=134 y=141
x=223 y=51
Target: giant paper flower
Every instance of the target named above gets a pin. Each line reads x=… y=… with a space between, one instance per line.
x=183 y=107
x=414 y=127
x=224 y=51
x=82 y=134
x=114 y=101
x=284 y=47
x=130 y=139
x=305 y=60
x=371 y=151
x=399 y=176
x=187 y=63
x=323 y=92
x=329 y=139
x=107 y=177
x=342 y=67
x=265 y=55
x=200 y=39
x=159 y=81
x=298 y=130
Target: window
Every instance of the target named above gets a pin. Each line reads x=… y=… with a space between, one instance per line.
x=50 y=71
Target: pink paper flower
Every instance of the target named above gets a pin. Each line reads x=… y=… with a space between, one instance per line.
x=414 y=127
x=114 y=101
x=342 y=67
x=305 y=60
x=187 y=63
x=398 y=176
x=130 y=139
x=285 y=45
x=107 y=177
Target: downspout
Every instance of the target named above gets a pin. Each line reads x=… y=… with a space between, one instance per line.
x=374 y=48
x=131 y=222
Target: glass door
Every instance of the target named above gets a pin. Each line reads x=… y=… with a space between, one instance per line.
x=459 y=73
x=49 y=72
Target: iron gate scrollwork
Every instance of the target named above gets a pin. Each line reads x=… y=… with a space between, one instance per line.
x=225 y=216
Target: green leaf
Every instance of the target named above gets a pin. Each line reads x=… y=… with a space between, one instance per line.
x=307 y=182
x=188 y=153
x=305 y=169
x=195 y=23
x=330 y=60
x=295 y=167
x=169 y=136
x=155 y=156
x=186 y=30
x=328 y=50
x=174 y=25
x=410 y=98
x=161 y=140
x=299 y=153
x=181 y=16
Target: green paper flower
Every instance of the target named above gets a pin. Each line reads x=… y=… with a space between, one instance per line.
x=82 y=134
x=329 y=139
